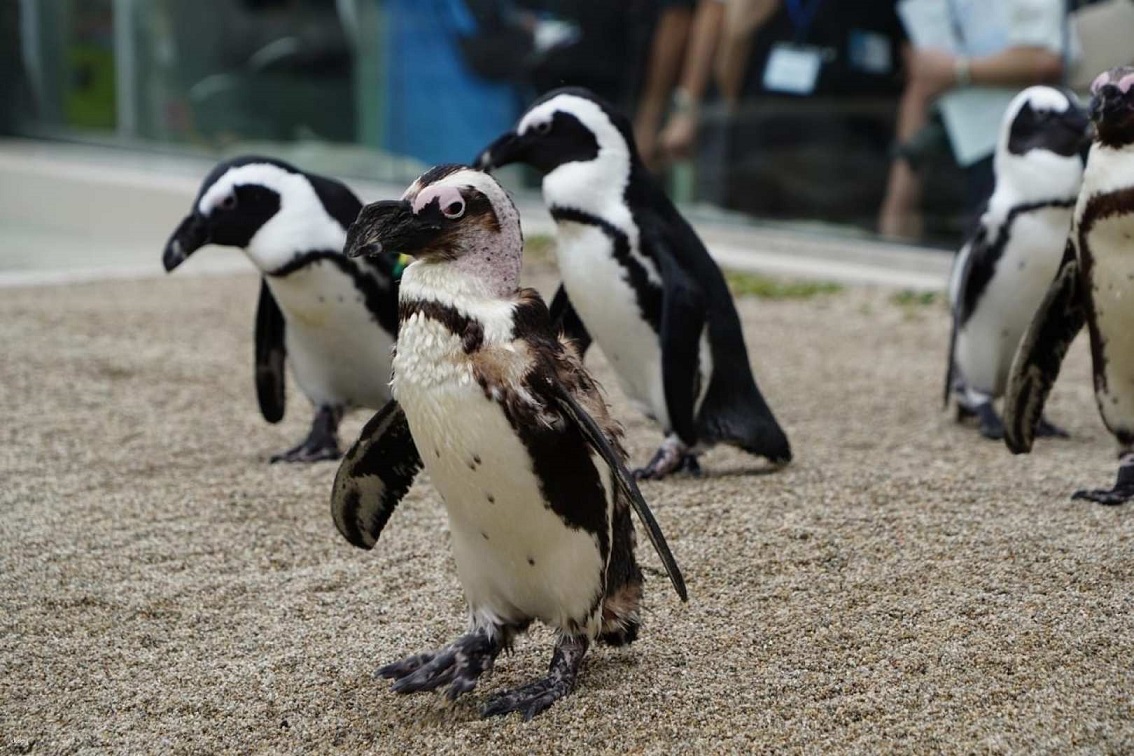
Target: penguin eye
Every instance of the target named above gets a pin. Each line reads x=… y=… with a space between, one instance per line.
x=543 y=128
x=228 y=203
x=453 y=210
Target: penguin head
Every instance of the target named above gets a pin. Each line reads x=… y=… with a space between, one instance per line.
x=1043 y=133
x=452 y=215
x=568 y=125
x=1045 y=118
x=1112 y=107
x=266 y=207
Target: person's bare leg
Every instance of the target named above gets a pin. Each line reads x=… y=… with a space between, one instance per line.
x=900 y=214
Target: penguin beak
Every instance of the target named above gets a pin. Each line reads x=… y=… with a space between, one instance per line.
x=507 y=149
x=388 y=226
x=192 y=234
x=1107 y=102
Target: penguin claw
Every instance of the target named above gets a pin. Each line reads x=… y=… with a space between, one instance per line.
x=530 y=700
x=666 y=461
x=458 y=665
x=535 y=697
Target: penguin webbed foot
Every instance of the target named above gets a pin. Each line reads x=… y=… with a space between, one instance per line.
x=672 y=456
x=310 y=452
x=459 y=665
x=537 y=696
x=1106 y=496
x=1122 y=492
x=322 y=443
x=1047 y=429
x=991 y=426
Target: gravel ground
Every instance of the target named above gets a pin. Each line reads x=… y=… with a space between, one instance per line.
x=903 y=585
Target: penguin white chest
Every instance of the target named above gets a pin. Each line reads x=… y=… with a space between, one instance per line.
x=1111 y=248
x=608 y=305
x=1028 y=263
x=516 y=559
x=337 y=351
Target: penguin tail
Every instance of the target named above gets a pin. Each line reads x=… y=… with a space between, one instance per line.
x=621 y=605
x=621 y=615
x=743 y=419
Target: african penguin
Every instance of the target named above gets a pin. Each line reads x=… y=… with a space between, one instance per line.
x=1001 y=274
x=516 y=439
x=333 y=318
x=637 y=278
x=1094 y=285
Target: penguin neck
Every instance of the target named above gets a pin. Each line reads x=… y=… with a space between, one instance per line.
x=595 y=186
x=1037 y=176
x=288 y=235
x=469 y=278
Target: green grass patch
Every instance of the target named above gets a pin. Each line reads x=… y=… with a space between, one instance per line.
x=911 y=298
x=765 y=287
x=539 y=248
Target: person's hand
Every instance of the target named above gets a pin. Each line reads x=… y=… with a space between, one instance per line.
x=679 y=135
x=934 y=72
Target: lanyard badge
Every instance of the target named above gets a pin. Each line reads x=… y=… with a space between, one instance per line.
x=793 y=67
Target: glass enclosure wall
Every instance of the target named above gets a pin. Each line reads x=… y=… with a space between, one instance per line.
x=781 y=110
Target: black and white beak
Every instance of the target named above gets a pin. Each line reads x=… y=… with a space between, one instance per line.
x=389 y=226
x=509 y=148
x=191 y=234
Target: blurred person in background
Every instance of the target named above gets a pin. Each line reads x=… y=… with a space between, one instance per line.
x=460 y=71
x=1006 y=43
x=681 y=55
x=453 y=70
x=808 y=90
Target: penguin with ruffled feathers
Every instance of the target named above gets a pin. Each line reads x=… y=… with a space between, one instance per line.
x=1001 y=274
x=1094 y=286
x=637 y=279
x=515 y=436
x=332 y=318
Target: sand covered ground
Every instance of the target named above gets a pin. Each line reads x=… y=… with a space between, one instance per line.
x=904 y=585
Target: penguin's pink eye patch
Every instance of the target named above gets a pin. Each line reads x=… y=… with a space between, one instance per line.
x=1097 y=84
x=448 y=198
x=1126 y=82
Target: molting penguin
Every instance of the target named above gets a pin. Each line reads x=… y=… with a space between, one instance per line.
x=637 y=278
x=1001 y=274
x=1094 y=285
x=515 y=436
x=333 y=318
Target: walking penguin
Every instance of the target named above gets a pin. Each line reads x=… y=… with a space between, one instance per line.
x=637 y=278
x=1001 y=275
x=1095 y=286
x=334 y=319
x=516 y=439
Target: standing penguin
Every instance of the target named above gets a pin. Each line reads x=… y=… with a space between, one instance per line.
x=515 y=436
x=1094 y=285
x=333 y=317
x=1001 y=274
x=638 y=279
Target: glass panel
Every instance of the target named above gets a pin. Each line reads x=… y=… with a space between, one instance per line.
x=791 y=116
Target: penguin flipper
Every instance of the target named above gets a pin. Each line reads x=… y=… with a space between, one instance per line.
x=683 y=321
x=374 y=476
x=270 y=354
x=565 y=320
x=973 y=270
x=567 y=404
x=1038 y=359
